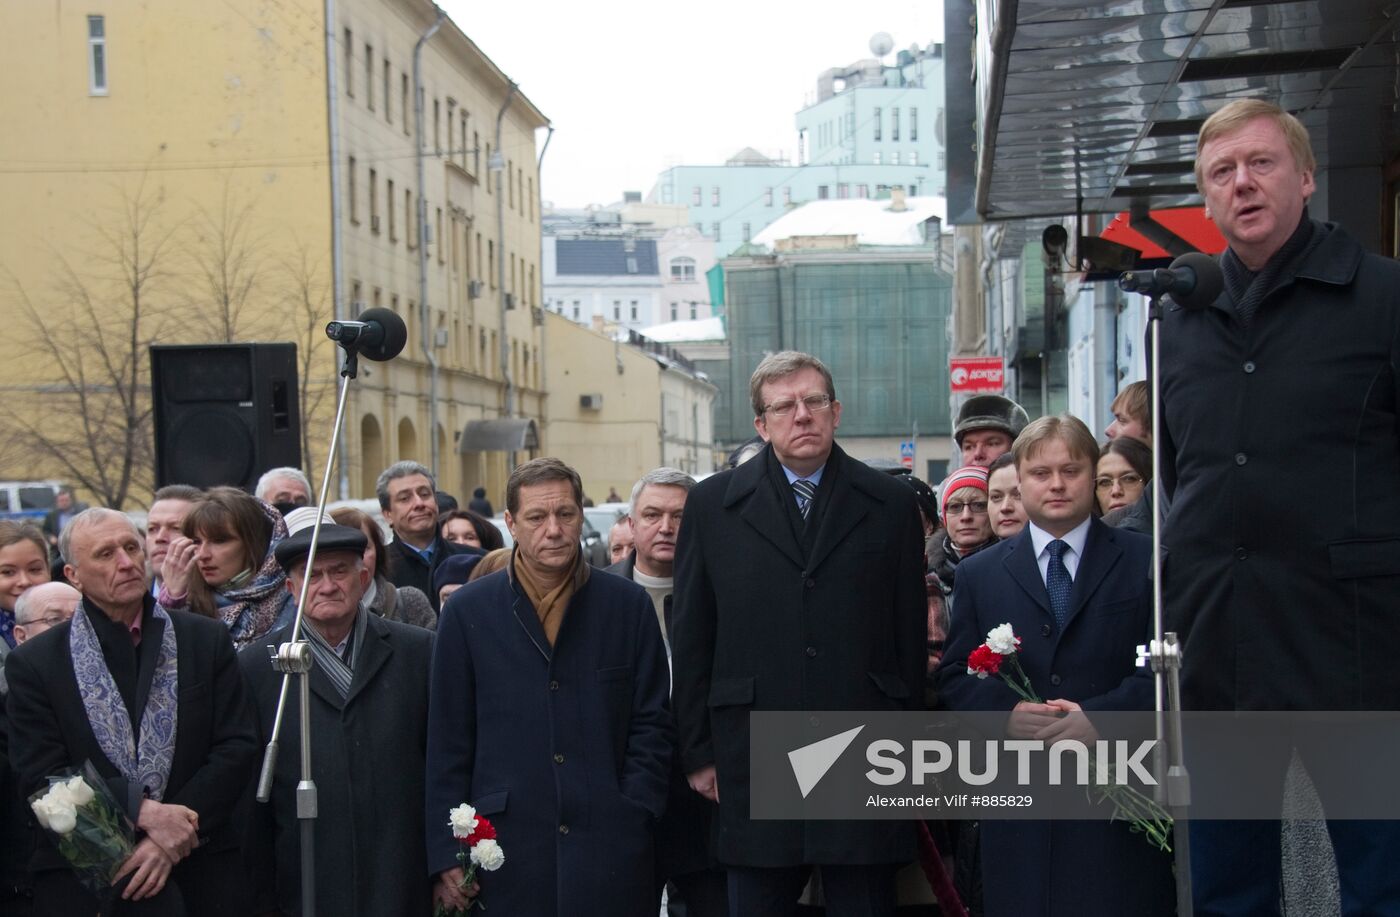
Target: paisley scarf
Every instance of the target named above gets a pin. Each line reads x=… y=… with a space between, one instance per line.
x=145 y=759
x=251 y=609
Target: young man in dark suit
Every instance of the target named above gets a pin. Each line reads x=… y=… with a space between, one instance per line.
x=124 y=667
x=1077 y=593
x=799 y=586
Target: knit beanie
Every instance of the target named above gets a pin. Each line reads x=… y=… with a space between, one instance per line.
x=967 y=476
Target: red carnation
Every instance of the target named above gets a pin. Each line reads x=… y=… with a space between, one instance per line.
x=984 y=661
x=483 y=831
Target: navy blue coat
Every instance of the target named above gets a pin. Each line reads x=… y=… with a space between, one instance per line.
x=1079 y=868
x=566 y=749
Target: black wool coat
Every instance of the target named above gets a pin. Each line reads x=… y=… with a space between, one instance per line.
x=1281 y=453
x=1062 y=868
x=772 y=614
x=215 y=744
x=368 y=761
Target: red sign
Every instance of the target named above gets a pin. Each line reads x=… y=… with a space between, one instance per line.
x=977 y=375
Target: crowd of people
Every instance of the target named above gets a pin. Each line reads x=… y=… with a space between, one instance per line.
x=599 y=718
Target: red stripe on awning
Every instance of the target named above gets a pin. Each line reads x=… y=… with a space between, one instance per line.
x=1190 y=223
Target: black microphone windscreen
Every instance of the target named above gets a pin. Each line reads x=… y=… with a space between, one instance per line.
x=393 y=338
x=1210 y=281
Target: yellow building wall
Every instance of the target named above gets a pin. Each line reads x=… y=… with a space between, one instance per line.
x=610 y=447
x=212 y=138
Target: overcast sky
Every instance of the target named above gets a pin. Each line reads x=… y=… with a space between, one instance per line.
x=634 y=87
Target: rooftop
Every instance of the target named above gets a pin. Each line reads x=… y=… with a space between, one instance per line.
x=871 y=222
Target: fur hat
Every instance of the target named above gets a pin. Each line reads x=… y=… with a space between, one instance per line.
x=990 y=412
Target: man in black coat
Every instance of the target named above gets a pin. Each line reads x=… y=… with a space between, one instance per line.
x=369 y=733
x=799 y=586
x=1079 y=626
x=1280 y=447
x=408 y=496
x=123 y=660
x=683 y=848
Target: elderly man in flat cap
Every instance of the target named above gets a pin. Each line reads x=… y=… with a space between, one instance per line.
x=369 y=709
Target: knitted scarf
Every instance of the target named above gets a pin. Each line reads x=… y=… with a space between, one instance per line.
x=142 y=759
x=550 y=604
x=1248 y=288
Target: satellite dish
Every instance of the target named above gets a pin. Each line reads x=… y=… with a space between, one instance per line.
x=881 y=44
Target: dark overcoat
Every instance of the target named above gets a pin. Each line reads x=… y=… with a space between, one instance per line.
x=1062 y=868
x=215 y=744
x=772 y=614
x=1281 y=451
x=406 y=567
x=565 y=748
x=368 y=760
x=684 y=836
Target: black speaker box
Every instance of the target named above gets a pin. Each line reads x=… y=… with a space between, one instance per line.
x=224 y=413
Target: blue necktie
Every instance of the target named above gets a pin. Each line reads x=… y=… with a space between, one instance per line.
x=1058 y=583
x=805 y=491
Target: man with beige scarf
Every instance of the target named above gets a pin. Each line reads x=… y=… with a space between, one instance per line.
x=549 y=713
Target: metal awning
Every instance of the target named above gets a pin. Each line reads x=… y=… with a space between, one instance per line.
x=1059 y=107
x=505 y=434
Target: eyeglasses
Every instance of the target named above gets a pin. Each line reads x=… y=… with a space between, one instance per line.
x=1127 y=479
x=815 y=404
x=47 y=621
x=978 y=507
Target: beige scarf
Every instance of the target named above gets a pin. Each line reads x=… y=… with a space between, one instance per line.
x=550 y=605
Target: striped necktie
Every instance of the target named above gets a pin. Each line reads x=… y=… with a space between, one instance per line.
x=805 y=491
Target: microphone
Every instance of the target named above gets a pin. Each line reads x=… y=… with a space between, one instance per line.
x=379 y=335
x=1193 y=281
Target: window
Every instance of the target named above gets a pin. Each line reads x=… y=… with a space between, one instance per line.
x=451 y=125
x=697 y=196
x=369 y=76
x=693 y=312
x=768 y=197
x=700 y=228
x=462 y=117
x=530 y=196
x=894 y=123
x=714 y=231
x=913 y=158
x=352 y=193
x=631 y=264
x=389 y=208
x=510 y=183
x=823 y=192
x=476 y=153
x=410 y=224
x=913 y=124
x=403 y=100
x=491 y=262
x=388 y=78
x=617 y=310
x=942 y=160
x=675 y=311
x=350 y=63
x=683 y=270
x=576 y=305
x=634 y=310
x=862 y=191
x=357 y=299
x=373 y=201
x=843 y=191
x=488 y=168
x=746 y=232
x=894 y=158
x=437 y=127
x=438 y=238
x=97 y=56
x=787 y=195
x=877 y=157
x=714 y=196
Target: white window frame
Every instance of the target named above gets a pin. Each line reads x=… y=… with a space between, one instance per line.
x=98 y=44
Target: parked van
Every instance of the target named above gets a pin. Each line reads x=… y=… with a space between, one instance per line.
x=27 y=500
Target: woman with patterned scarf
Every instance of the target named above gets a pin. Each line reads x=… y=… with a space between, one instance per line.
x=224 y=566
x=967 y=527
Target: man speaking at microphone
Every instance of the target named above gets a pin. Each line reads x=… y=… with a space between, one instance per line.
x=1286 y=593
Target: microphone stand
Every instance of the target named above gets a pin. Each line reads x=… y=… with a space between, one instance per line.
x=294 y=658
x=1166 y=655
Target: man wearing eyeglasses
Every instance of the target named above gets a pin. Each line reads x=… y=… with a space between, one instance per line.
x=43 y=607
x=799 y=586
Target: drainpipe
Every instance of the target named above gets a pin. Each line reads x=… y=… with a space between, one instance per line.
x=424 y=312
x=498 y=166
x=338 y=309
